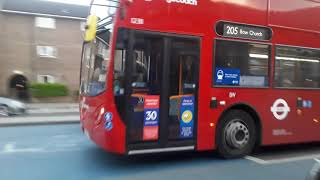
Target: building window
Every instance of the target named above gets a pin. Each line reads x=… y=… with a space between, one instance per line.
x=47 y=51
x=243 y=64
x=297 y=67
x=46 y=79
x=83 y=25
x=44 y=22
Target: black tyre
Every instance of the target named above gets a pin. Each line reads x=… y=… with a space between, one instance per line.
x=236 y=134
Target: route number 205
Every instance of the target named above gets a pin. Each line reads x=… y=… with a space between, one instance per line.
x=232 y=30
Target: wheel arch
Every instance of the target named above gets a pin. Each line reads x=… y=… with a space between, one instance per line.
x=252 y=112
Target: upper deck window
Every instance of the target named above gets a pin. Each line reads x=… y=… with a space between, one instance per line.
x=297 y=67
x=241 y=64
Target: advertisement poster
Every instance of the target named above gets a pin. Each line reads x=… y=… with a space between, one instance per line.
x=227 y=76
x=151 y=118
x=187 y=117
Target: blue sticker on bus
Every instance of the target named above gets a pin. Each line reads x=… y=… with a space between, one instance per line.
x=108 y=125
x=151 y=117
x=108 y=121
x=309 y=104
x=151 y=111
x=187 y=117
x=108 y=116
x=227 y=76
x=305 y=103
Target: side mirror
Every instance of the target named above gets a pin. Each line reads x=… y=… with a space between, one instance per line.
x=91 y=28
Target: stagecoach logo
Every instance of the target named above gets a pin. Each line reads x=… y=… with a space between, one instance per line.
x=280 y=109
x=189 y=2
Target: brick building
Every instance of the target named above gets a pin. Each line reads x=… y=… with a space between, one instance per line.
x=40 y=41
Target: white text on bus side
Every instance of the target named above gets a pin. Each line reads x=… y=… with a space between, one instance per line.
x=190 y=2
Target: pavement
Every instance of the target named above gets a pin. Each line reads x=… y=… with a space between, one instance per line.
x=62 y=152
x=49 y=113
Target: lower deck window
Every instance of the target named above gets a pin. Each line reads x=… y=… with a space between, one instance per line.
x=297 y=67
x=241 y=64
x=46 y=79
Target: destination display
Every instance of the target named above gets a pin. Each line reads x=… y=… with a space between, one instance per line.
x=243 y=31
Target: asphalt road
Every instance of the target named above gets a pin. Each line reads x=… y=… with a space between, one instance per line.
x=61 y=152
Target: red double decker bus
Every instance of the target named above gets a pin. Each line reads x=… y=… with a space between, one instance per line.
x=177 y=75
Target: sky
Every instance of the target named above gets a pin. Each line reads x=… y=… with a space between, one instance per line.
x=82 y=2
x=100 y=11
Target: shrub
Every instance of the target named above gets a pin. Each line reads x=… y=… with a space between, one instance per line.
x=48 y=90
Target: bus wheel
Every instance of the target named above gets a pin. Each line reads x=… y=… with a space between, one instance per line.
x=236 y=134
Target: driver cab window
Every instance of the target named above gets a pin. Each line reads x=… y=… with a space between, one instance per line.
x=95 y=58
x=94 y=67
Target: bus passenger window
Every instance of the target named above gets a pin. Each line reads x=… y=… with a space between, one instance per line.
x=241 y=64
x=297 y=67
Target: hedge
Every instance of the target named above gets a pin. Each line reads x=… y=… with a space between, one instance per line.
x=48 y=90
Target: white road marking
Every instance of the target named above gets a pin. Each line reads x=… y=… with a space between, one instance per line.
x=11 y=148
x=282 y=160
x=49 y=111
x=37 y=150
x=50 y=146
x=40 y=119
x=256 y=160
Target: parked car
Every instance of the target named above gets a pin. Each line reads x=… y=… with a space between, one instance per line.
x=10 y=107
x=314 y=173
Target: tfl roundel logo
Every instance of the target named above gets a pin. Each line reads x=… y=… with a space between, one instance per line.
x=280 y=109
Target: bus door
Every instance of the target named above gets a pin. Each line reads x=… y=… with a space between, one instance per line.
x=162 y=91
x=183 y=85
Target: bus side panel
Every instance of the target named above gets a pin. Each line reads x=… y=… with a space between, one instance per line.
x=93 y=120
x=205 y=135
x=294 y=128
x=112 y=140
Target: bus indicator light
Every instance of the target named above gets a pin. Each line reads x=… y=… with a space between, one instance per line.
x=299 y=112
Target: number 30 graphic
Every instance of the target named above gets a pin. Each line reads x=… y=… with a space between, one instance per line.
x=151 y=115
